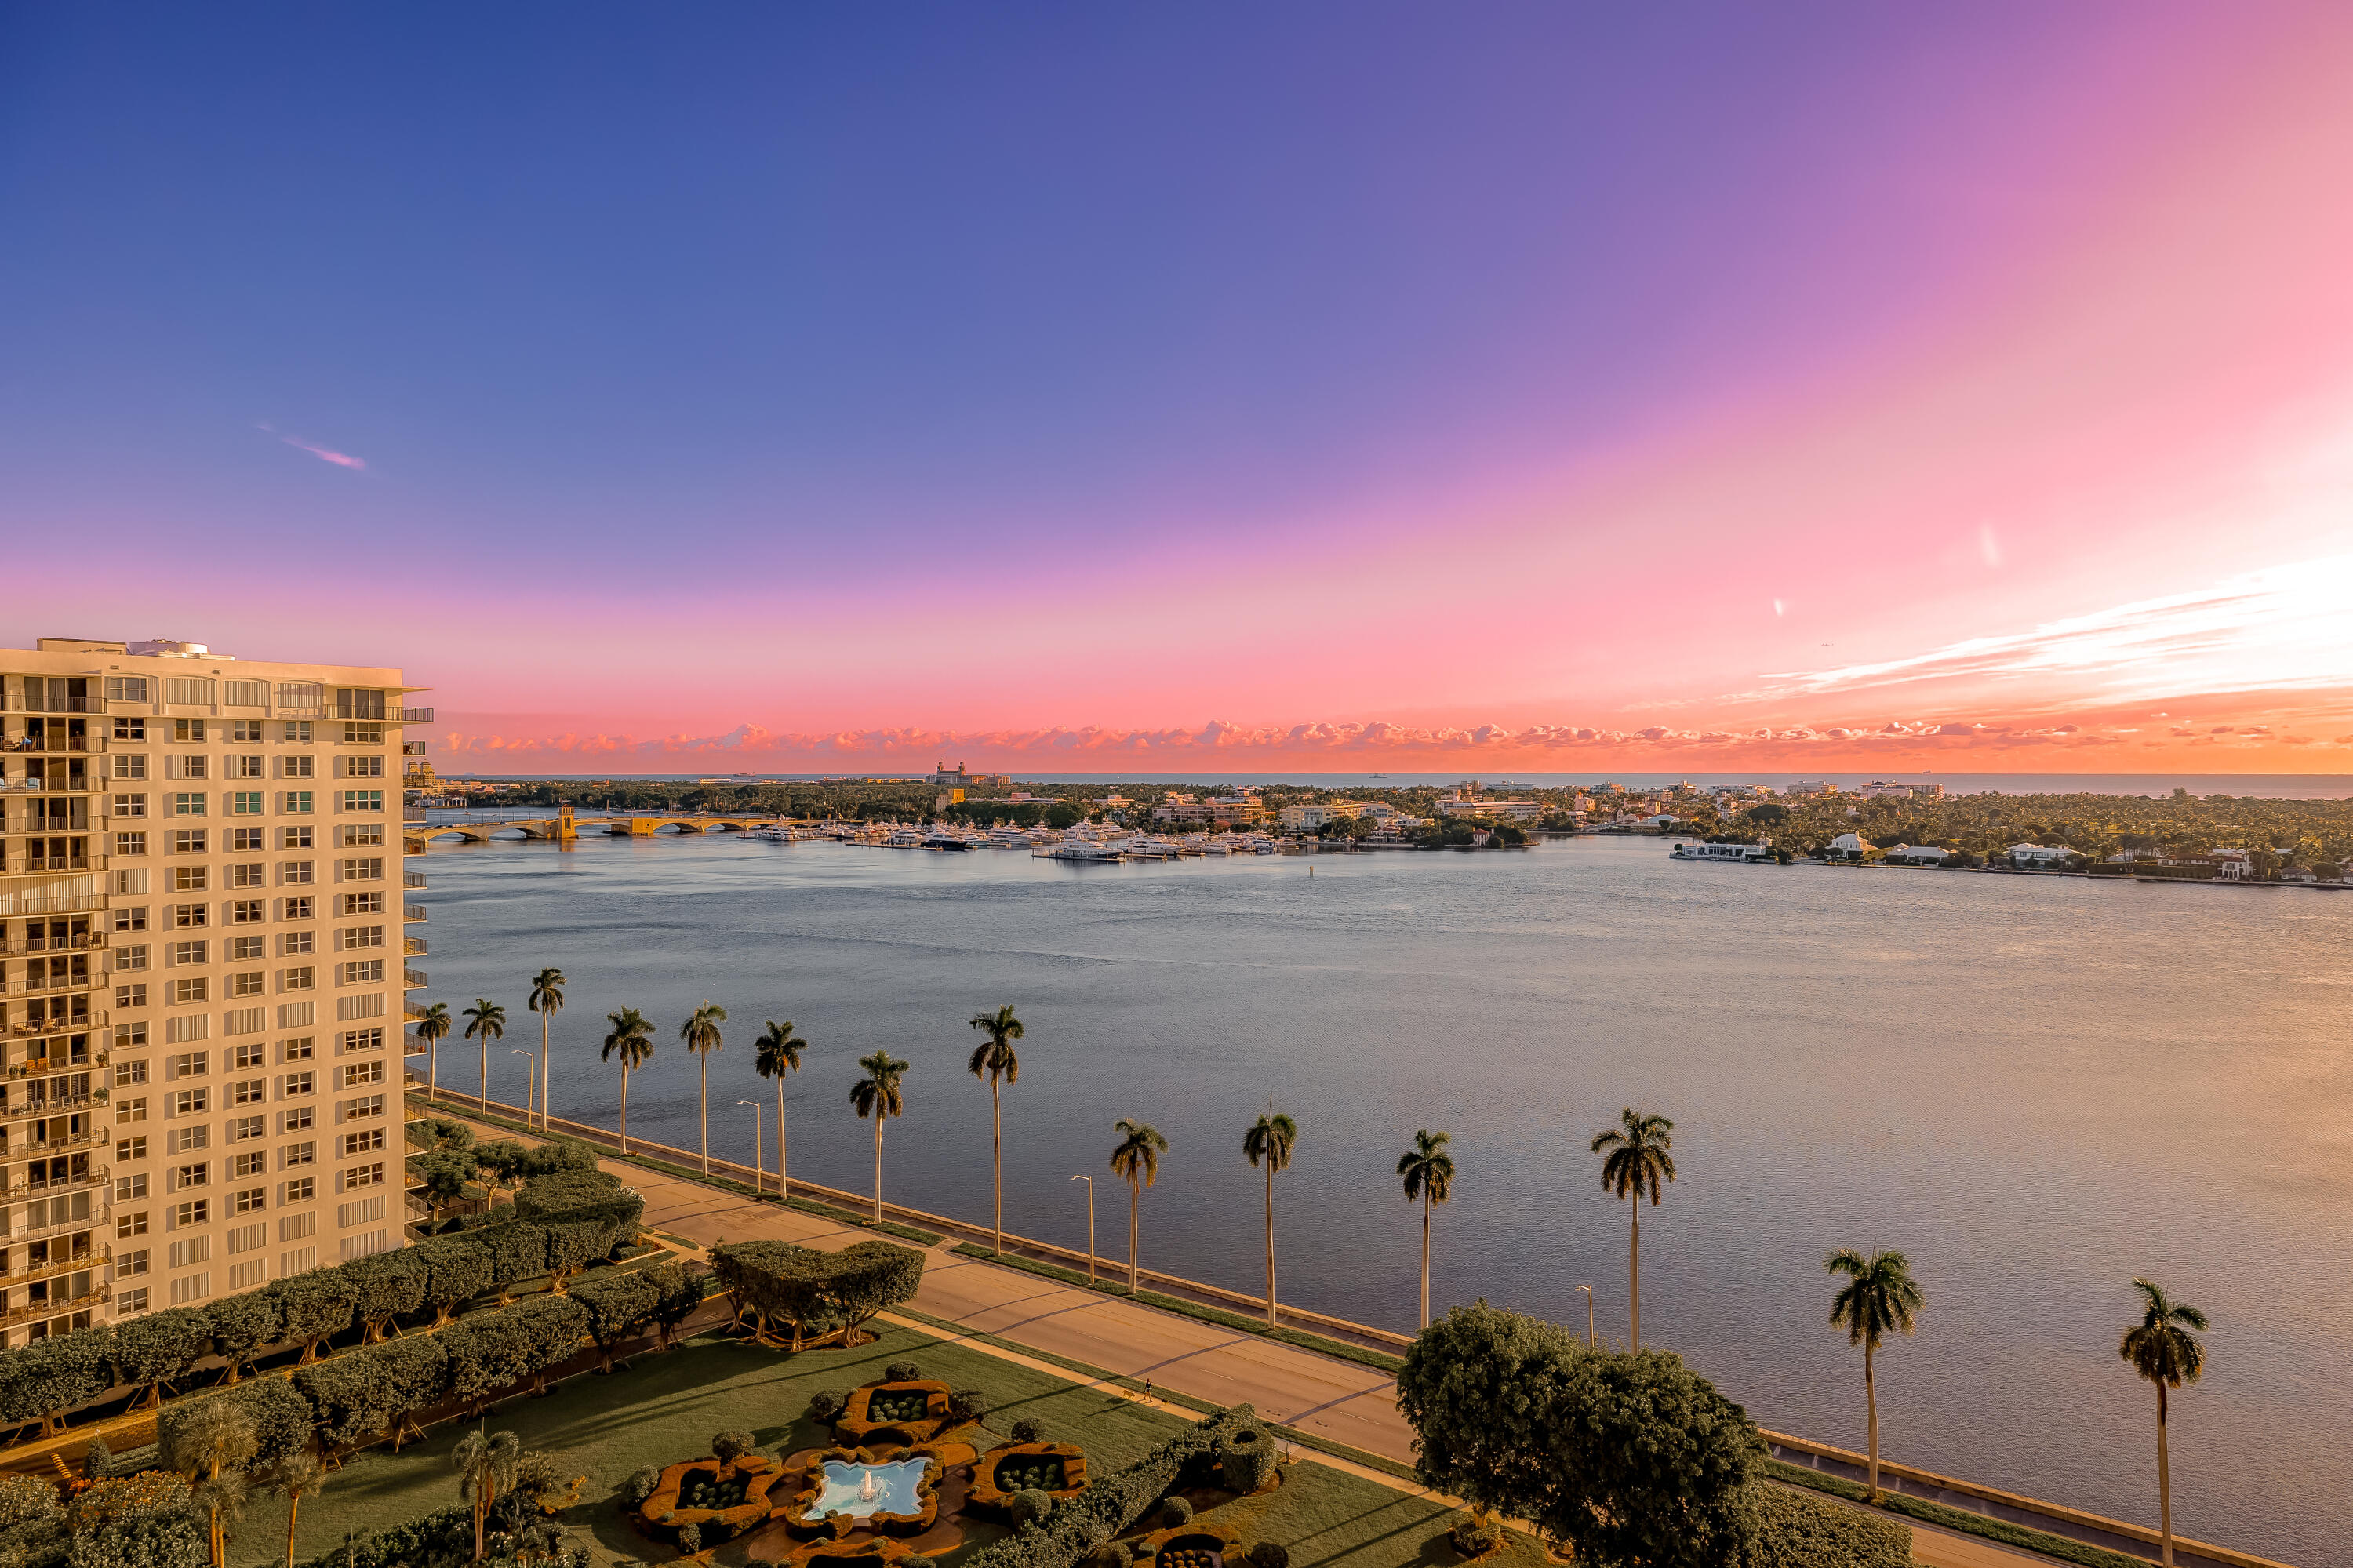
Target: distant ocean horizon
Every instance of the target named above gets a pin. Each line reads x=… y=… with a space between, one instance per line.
x=2262 y=785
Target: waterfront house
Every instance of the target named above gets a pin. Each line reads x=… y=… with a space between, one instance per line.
x=1848 y=846
x=2040 y=857
x=1917 y=854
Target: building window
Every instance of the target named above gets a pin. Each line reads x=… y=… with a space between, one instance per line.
x=130 y=843
x=251 y=1054
x=244 y=1127
x=184 y=804
x=243 y=766
x=299 y=1120
x=190 y=1065
x=130 y=959
x=130 y=1265
x=191 y=953
x=364 y=1107
x=127 y=689
x=294 y=802
x=370 y=869
x=131 y=918
x=127 y=1111
x=294 y=873
x=359 y=937
x=247 y=874
x=188 y=1139
x=301 y=1190
x=296 y=1050
x=297 y=732
x=129 y=1073
x=186 y=917
x=302 y=977
x=295 y=1083
x=129 y=805
x=245 y=802
x=244 y=948
x=246 y=841
x=131 y=1037
x=363 y=1142
x=294 y=838
x=362 y=800
x=190 y=878
x=251 y=1201
x=363 y=1176
x=362 y=1073
x=360 y=904
x=187 y=992
x=248 y=911
x=356 y=835
x=298 y=1154
x=294 y=944
x=129 y=1225
x=127 y=1150
x=301 y=908
x=189 y=841
x=252 y=982
x=130 y=1303
x=198 y=1173
x=188 y=693
x=190 y=1101
x=247 y=1092
x=256 y=1163
x=127 y=728
x=177 y=765
x=295 y=768
x=362 y=1040
x=366 y=971
x=127 y=1187
x=197 y=1212
x=245 y=694
x=128 y=765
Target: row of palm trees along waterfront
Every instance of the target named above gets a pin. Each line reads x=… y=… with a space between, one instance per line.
x=1878 y=1295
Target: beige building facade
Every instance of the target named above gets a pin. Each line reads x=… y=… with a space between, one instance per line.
x=204 y=951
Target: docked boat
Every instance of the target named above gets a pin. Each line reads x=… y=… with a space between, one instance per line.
x=1738 y=855
x=903 y=838
x=1091 y=852
x=1149 y=846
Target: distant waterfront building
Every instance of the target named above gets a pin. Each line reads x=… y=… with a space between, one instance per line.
x=1808 y=786
x=201 y=930
x=1888 y=790
x=959 y=777
x=2040 y=855
x=1849 y=846
x=1470 y=803
x=1917 y=854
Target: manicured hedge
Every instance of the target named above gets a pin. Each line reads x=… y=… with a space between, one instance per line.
x=243 y=1325
x=445 y=1540
x=159 y=1348
x=279 y=1416
x=1796 y=1531
x=1113 y=1502
x=42 y=1381
x=815 y=1292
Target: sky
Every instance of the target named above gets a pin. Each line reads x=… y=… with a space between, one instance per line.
x=1081 y=388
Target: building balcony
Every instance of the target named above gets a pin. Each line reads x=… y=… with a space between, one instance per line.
x=411 y=1045
x=412 y=879
x=19 y=1187
x=16 y=704
x=73 y=1024
x=49 y=984
x=41 y=744
x=29 y=1111
x=407 y=716
x=46 y=1147
x=413 y=947
x=83 y=943
x=39 y=864
x=413 y=912
x=98 y=1258
x=34 y=1311
x=414 y=979
x=412 y=1011
x=78 y=784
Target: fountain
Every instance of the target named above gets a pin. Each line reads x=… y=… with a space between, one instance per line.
x=862 y=1490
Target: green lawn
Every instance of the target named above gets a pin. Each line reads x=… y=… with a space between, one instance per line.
x=664 y=1408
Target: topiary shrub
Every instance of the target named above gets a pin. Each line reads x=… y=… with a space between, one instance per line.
x=916 y=1559
x=729 y=1447
x=968 y=1404
x=690 y=1539
x=1028 y=1430
x=1028 y=1506
x=1175 y=1510
x=903 y=1372
x=826 y=1405
x=1247 y=1455
x=1269 y=1554
x=1795 y=1527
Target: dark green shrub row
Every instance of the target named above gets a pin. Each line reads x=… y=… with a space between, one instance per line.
x=809 y=1291
x=1956 y=1519
x=575 y=1218
x=1796 y=1531
x=1112 y=1503
x=445 y=1540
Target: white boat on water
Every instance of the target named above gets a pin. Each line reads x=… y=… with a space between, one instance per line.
x=1092 y=852
x=945 y=838
x=1003 y=837
x=1737 y=854
x=903 y=838
x=1149 y=846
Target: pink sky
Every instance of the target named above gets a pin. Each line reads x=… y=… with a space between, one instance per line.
x=2024 y=442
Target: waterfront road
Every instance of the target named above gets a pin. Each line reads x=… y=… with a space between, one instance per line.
x=1334 y=1399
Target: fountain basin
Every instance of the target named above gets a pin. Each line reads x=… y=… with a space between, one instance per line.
x=862 y=1490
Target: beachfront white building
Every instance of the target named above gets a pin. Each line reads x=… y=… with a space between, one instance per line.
x=2038 y=856
x=1917 y=854
x=1848 y=846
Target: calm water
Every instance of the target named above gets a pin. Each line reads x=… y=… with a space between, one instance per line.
x=2036 y=1087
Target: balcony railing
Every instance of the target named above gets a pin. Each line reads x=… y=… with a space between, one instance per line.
x=88 y=1303
x=31 y=864
x=300 y=710
x=412 y=1010
x=412 y=978
x=413 y=947
x=408 y=715
x=28 y=1110
x=412 y=912
x=39 y=744
x=92 y=1018
x=98 y=1259
x=97 y=1216
x=82 y=981
x=21 y=1188
x=86 y=940
x=50 y=786
x=412 y=879
x=56 y=1146
x=411 y=1045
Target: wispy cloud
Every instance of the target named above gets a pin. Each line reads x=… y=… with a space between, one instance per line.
x=2282 y=628
x=324 y=454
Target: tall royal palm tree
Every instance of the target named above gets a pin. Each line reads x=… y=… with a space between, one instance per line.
x=486 y=1021
x=432 y=1028
x=700 y=1034
x=2164 y=1348
x=780 y=1053
x=1879 y=1295
x=1638 y=1164
x=996 y=1060
x=1428 y=1172
x=1268 y=1143
x=877 y=1096
x=487 y=1464
x=632 y=1040
x=547 y=1001
x=1136 y=1161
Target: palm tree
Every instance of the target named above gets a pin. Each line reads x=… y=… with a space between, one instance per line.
x=432 y=1028
x=700 y=1034
x=215 y=1437
x=486 y=1021
x=1428 y=1172
x=1268 y=1143
x=487 y=1463
x=1136 y=1161
x=297 y=1477
x=877 y=1096
x=2161 y=1349
x=780 y=1053
x=994 y=1059
x=1638 y=1162
x=1879 y=1295
x=547 y=1001
x=632 y=1040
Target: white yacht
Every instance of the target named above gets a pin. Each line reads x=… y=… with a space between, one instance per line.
x=903 y=838
x=1150 y=846
x=1093 y=851
x=1004 y=837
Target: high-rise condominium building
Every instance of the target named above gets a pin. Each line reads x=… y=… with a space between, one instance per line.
x=201 y=946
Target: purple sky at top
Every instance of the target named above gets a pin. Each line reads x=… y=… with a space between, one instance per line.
x=632 y=310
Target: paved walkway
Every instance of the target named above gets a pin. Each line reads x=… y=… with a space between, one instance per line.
x=1338 y=1400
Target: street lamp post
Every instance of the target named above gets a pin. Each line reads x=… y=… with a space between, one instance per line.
x=1588 y=1315
x=759 y=1151
x=529 y=1091
x=1090 y=1226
